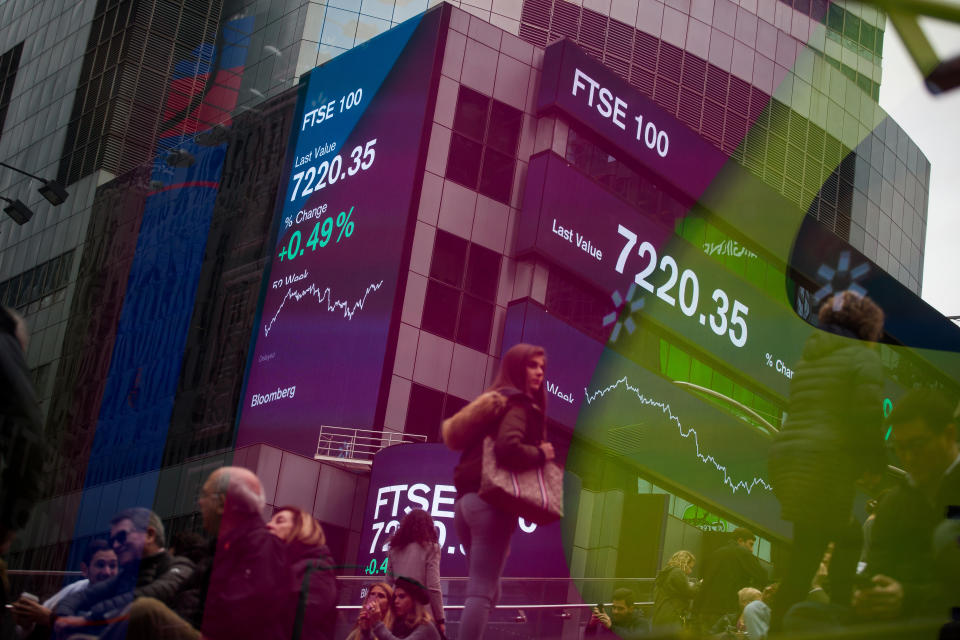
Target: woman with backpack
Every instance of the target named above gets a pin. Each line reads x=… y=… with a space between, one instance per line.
x=415 y=554
x=511 y=412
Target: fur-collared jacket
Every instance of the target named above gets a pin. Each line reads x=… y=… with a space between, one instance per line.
x=518 y=428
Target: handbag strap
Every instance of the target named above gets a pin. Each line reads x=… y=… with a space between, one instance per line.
x=302 y=601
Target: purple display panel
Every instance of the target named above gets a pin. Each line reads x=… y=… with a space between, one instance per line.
x=632 y=254
x=570 y=219
x=419 y=476
x=344 y=227
x=579 y=86
x=571 y=356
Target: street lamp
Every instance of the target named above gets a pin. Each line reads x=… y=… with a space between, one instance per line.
x=20 y=212
x=52 y=190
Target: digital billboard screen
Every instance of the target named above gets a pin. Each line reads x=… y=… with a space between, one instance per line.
x=577 y=85
x=342 y=236
x=419 y=476
x=667 y=434
x=640 y=260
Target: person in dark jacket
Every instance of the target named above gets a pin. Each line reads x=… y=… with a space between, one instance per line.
x=673 y=592
x=483 y=529
x=22 y=447
x=725 y=572
x=146 y=570
x=245 y=589
x=313 y=592
x=908 y=576
x=625 y=621
x=831 y=439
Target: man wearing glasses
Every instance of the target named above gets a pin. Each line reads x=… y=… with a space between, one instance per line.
x=902 y=560
x=146 y=570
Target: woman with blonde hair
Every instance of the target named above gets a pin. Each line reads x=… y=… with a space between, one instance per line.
x=379 y=596
x=314 y=588
x=732 y=625
x=408 y=617
x=673 y=591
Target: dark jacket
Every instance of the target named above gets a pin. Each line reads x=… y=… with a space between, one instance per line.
x=158 y=576
x=320 y=603
x=902 y=544
x=518 y=434
x=22 y=447
x=672 y=598
x=188 y=604
x=632 y=626
x=248 y=591
x=729 y=569
x=832 y=434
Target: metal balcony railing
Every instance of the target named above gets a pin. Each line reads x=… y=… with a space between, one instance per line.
x=358 y=446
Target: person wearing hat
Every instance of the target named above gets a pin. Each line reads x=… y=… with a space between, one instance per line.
x=410 y=618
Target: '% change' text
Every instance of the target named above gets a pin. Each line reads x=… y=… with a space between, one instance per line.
x=320 y=236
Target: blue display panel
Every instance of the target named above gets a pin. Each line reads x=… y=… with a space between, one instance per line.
x=342 y=239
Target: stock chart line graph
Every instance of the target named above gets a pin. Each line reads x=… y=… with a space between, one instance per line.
x=623 y=386
x=323 y=296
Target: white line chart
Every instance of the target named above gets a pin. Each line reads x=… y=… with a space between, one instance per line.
x=324 y=295
x=624 y=384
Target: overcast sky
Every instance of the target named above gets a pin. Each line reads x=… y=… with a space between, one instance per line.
x=934 y=124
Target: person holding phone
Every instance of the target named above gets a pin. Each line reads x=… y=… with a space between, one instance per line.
x=375 y=604
x=410 y=618
x=625 y=621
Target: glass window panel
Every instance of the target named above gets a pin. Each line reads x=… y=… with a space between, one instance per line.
x=449 y=257
x=339 y=28
x=496 y=179
x=868 y=36
x=452 y=404
x=368 y=27
x=851 y=27
x=678 y=367
x=700 y=373
x=476 y=320
x=463 y=161
x=424 y=411
x=378 y=8
x=440 y=309
x=483 y=270
x=504 y=131
x=722 y=384
x=470 y=118
x=835 y=17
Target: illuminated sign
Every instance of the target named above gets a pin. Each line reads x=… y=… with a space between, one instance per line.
x=575 y=84
x=418 y=476
x=344 y=225
x=671 y=436
x=573 y=221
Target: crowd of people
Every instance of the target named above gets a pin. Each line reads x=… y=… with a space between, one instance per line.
x=276 y=578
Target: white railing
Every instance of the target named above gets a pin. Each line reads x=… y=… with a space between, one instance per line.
x=358 y=445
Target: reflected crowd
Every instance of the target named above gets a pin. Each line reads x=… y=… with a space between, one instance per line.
x=897 y=574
